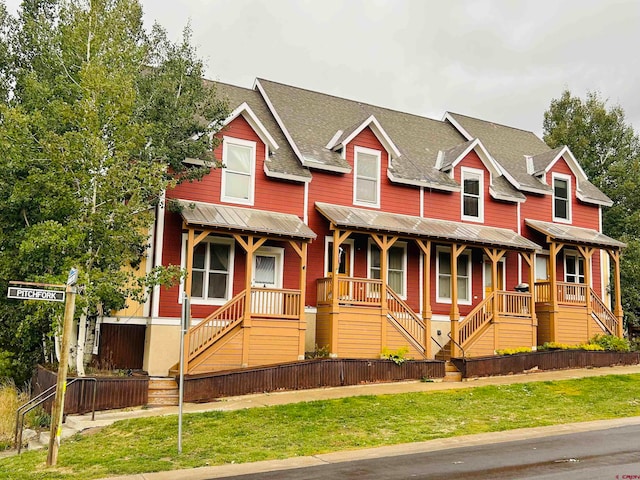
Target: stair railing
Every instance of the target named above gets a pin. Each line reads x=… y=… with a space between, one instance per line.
x=457 y=344
x=40 y=399
x=606 y=317
x=476 y=319
x=406 y=317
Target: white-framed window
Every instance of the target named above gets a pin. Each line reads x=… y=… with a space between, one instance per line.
x=561 y=198
x=396 y=266
x=212 y=270
x=268 y=265
x=238 y=174
x=573 y=267
x=542 y=267
x=472 y=207
x=443 y=274
x=366 y=184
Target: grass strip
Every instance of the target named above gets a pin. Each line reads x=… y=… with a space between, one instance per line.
x=266 y=433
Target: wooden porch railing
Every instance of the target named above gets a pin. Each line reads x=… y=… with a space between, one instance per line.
x=215 y=325
x=514 y=304
x=476 y=319
x=606 y=317
x=565 y=292
x=406 y=318
x=274 y=302
x=265 y=303
x=352 y=291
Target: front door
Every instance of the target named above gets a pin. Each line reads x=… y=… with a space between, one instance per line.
x=267 y=280
x=344 y=265
x=488 y=287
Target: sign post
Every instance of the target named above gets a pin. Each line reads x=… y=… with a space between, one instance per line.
x=184 y=327
x=57 y=411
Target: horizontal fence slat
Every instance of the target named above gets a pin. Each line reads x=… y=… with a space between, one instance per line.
x=549 y=360
x=304 y=375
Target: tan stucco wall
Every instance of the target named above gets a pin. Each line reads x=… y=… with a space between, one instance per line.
x=445 y=327
x=161 y=349
x=310 y=334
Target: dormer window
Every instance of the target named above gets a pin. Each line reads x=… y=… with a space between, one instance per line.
x=238 y=174
x=366 y=188
x=561 y=198
x=472 y=195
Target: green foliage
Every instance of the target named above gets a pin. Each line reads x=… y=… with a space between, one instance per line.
x=96 y=118
x=608 y=149
x=318 y=352
x=398 y=356
x=513 y=351
x=611 y=343
x=565 y=346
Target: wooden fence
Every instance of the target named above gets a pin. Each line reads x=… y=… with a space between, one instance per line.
x=111 y=392
x=305 y=374
x=548 y=360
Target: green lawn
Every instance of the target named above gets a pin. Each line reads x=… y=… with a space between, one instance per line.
x=149 y=444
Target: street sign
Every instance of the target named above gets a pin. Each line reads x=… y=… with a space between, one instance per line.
x=72 y=279
x=22 y=293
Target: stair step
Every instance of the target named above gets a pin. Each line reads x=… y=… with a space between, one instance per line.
x=163 y=400
x=452 y=377
x=162 y=382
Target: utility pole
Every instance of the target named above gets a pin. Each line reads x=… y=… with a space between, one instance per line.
x=57 y=410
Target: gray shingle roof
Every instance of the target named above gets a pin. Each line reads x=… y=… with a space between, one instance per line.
x=283 y=161
x=312 y=119
x=407 y=225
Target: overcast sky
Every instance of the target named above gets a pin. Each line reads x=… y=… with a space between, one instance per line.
x=500 y=60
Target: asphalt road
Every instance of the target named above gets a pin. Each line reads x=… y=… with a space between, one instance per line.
x=602 y=454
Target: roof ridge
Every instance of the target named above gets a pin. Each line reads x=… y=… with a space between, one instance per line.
x=498 y=124
x=353 y=101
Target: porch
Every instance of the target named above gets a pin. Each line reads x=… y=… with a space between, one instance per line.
x=263 y=323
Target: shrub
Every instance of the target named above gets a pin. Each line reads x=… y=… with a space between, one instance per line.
x=10 y=399
x=611 y=343
x=319 y=352
x=565 y=346
x=513 y=351
x=398 y=357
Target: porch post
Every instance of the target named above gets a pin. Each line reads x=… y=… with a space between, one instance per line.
x=495 y=255
x=554 y=248
x=301 y=250
x=617 y=309
x=454 y=314
x=249 y=246
x=384 y=242
x=427 y=313
x=530 y=258
x=587 y=253
x=192 y=241
x=334 y=316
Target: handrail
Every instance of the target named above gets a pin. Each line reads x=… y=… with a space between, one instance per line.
x=437 y=343
x=413 y=325
x=233 y=309
x=40 y=399
x=478 y=317
x=606 y=317
x=457 y=344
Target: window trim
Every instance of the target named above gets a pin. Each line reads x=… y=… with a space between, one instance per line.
x=226 y=141
x=576 y=255
x=399 y=244
x=547 y=260
x=472 y=172
x=440 y=299
x=278 y=254
x=183 y=265
x=566 y=178
x=378 y=154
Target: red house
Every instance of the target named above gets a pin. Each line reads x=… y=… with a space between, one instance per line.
x=358 y=228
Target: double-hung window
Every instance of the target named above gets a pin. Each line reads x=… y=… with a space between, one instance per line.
x=561 y=198
x=472 y=198
x=366 y=190
x=238 y=174
x=443 y=268
x=212 y=270
x=396 y=266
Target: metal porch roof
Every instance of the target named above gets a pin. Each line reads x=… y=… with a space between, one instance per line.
x=575 y=235
x=406 y=225
x=247 y=220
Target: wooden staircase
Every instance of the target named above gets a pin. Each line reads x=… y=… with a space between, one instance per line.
x=163 y=391
x=603 y=316
x=451 y=373
x=406 y=321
